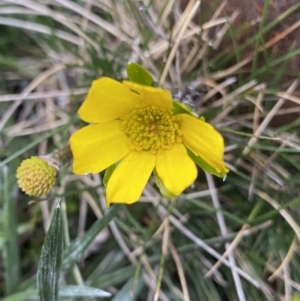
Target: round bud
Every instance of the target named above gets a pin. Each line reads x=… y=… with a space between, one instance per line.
x=36 y=176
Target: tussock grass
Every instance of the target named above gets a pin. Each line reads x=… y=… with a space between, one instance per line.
x=231 y=240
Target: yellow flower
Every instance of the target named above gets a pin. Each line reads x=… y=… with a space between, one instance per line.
x=135 y=125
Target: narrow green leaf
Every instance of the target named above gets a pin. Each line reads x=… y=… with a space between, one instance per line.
x=114 y=277
x=37 y=141
x=50 y=260
x=139 y=75
x=206 y=167
x=126 y=293
x=162 y=188
x=108 y=172
x=18 y=65
x=68 y=291
x=82 y=291
x=77 y=248
x=10 y=247
x=26 y=295
x=139 y=18
x=181 y=108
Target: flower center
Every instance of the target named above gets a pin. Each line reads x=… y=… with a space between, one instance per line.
x=151 y=129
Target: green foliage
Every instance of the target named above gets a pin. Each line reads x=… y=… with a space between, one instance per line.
x=76 y=250
x=181 y=108
x=163 y=190
x=108 y=172
x=10 y=235
x=50 y=53
x=139 y=75
x=50 y=260
x=65 y=292
x=206 y=167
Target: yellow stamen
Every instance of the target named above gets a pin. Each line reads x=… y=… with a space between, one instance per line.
x=151 y=129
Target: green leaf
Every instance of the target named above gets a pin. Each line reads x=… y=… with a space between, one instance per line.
x=126 y=293
x=182 y=108
x=11 y=260
x=76 y=291
x=50 y=260
x=139 y=75
x=108 y=172
x=163 y=190
x=75 y=251
x=206 y=167
x=29 y=294
x=68 y=291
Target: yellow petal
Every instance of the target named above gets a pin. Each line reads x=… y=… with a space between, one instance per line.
x=107 y=100
x=95 y=147
x=176 y=169
x=152 y=96
x=203 y=140
x=130 y=178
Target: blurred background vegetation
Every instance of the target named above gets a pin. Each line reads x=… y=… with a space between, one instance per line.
x=237 y=64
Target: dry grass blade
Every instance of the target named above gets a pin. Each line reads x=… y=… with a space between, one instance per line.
x=41 y=95
x=164 y=253
x=207 y=248
x=37 y=81
x=283 y=212
x=183 y=282
x=285 y=261
x=217 y=56
x=267 y=119
x=31 y=26
x=185 y=20
x=229 y=248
